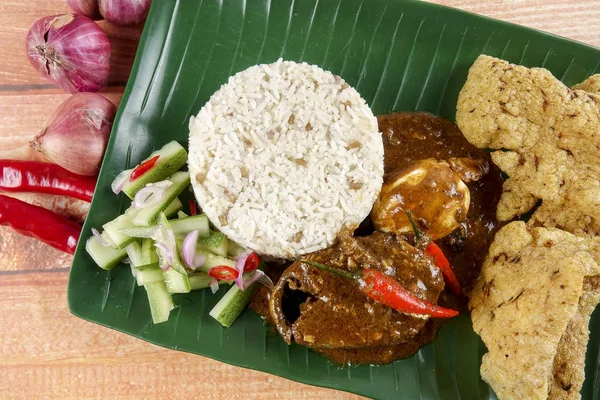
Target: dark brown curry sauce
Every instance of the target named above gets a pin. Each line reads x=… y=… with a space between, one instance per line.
x=408 y=137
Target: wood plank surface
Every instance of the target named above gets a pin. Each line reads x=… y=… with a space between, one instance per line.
x=48 y=353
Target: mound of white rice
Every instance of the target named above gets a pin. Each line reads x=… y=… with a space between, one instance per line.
x=283 y=156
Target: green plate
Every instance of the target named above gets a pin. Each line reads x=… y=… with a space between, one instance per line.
x=400 y=55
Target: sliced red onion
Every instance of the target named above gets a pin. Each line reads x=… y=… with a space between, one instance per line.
x=161 y=184
x=214 y=285
x=148 y=196
x=119 y=182
x=99 y=237
x=257 y=276
x=199 y=260
x=166 y=253
x=239 y=265
x=188 y=249
x=265 y=280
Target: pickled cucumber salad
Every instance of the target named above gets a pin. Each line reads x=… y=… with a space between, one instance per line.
x=170 y=251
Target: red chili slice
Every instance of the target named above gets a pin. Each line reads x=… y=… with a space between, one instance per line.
x=223 y=273
x=251 y=263
x=434 y=251
x=143 y=168
x=193 y=208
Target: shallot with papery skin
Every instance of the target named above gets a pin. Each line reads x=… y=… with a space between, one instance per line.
x=77 y=136
x=70 y=50
x=89 y=8
x=124 y=12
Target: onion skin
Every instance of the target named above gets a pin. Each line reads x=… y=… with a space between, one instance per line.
x=71 y=51
x=77 y=136
x=89 y=8
x=124 y=12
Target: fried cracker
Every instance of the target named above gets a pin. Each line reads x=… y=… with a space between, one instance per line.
x=569 y=361
x=590 y=85
x=550 y=137
x=528 y=292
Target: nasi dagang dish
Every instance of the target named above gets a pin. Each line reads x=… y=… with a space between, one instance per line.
x=358 y=235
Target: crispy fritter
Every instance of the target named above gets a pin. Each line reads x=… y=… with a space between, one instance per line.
x=590 y=85
x=528 y=292
x=569 y=361
x=550 y=137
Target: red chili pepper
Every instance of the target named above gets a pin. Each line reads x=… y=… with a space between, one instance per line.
x=387 y=291
x=223 y=273
x=193 y=208
x=41 y=177
x=251 y=263
x=143 y=168
x=39 y=223
x=434 y=251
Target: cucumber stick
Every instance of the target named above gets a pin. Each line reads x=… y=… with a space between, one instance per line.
x=173 y=208
x=149 y=215
x=118 y=230
x=172 y=157
x=183 y=226
x=232 y=304
x=216 y=243
x=146 y=274
x=160 y=300
x=213 y=260
x=149 y=255
x=105 y=256
x=113 y=229
x=180 y=227
x=176 y=277
x=134 y=252
x=234 y=249
x=176 y=282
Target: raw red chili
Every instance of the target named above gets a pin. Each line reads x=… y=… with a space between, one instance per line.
x=41 y=177
x=37 y=222
x=143 y=168
x=434 y=251
x=251 y=263
x=193 y=208
x=389 y=292
x=223 y=273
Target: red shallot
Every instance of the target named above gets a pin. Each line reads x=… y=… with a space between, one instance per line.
x=77 y=136
x=70 y=50
x=89 y=8
x=124 y=12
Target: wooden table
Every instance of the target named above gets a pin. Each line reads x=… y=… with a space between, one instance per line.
x=48 y=353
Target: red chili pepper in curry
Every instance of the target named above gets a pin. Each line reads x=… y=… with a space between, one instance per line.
x=387 y=291
x=434 y=251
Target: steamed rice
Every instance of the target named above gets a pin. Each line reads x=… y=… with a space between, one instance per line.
x=283 y=156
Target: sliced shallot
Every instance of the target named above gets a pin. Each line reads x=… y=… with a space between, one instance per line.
x=99 y=237
x=239 y=265
x=119 y=182
x=166 y=254
x=214 y=285
x=150 y=195
x=188 y=250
